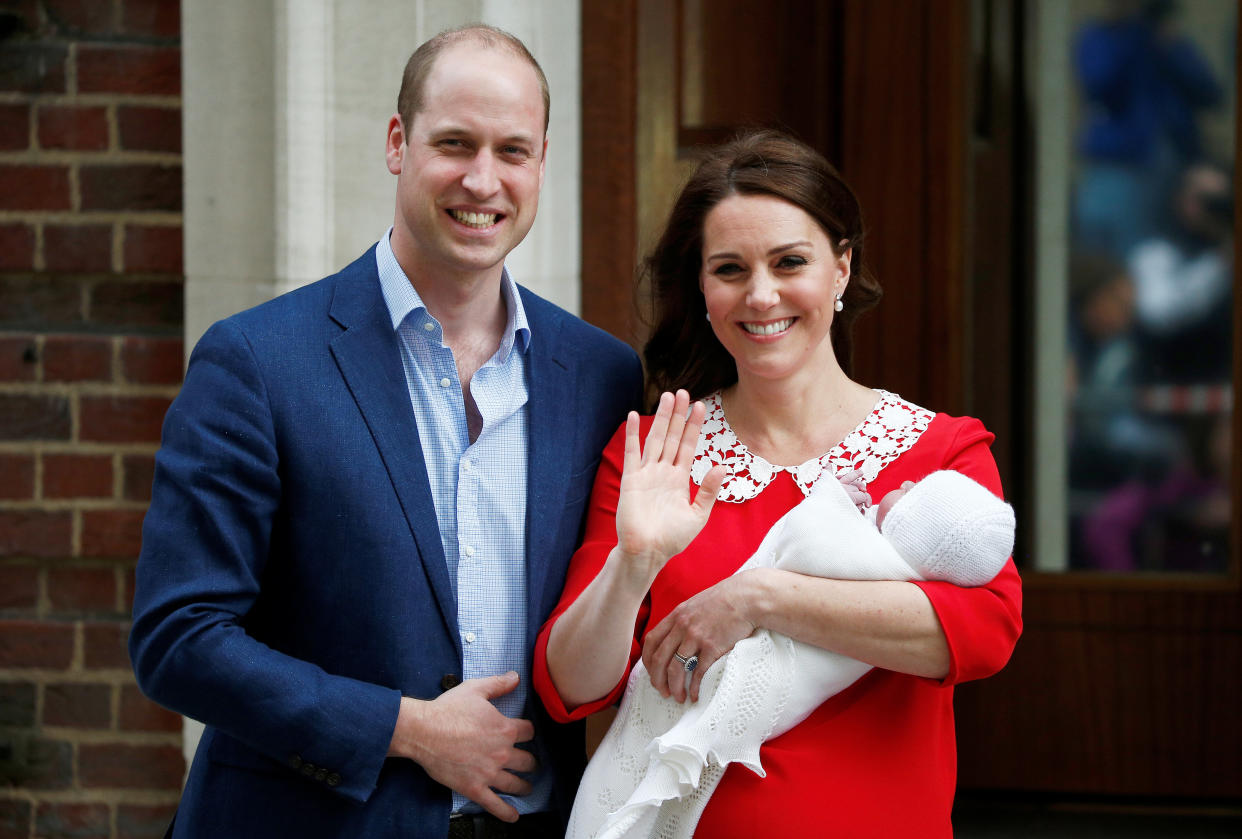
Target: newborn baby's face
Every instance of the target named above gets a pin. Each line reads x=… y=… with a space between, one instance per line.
x=887 y=502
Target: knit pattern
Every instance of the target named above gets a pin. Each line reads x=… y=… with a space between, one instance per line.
x=892 y=427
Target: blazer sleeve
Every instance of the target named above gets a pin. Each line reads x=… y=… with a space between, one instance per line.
x=599 y=539
x=982 y=623
x=205 y=546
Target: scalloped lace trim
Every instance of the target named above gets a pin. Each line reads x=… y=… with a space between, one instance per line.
x=892 y=428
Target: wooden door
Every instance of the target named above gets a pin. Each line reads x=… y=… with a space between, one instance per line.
x=1119 y=686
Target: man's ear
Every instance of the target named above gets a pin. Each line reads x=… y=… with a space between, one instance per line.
x=394 y=148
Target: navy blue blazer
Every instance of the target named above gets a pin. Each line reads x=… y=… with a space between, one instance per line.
x=292 y=585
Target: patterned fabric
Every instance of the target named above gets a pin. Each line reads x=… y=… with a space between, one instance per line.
x=478 y=489
x=892 y=427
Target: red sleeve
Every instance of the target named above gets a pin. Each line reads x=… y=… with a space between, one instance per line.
x=982 y=624
x=598 y=540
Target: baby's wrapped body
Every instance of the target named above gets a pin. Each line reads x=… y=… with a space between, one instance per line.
x=946 y=527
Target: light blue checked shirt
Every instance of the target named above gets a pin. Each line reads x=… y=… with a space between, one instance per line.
x=479 y=489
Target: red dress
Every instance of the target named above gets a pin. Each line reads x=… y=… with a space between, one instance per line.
x=878 y=759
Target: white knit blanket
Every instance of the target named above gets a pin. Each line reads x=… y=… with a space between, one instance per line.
x=660 y=761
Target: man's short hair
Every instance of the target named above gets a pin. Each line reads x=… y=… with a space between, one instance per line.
x=414 y=79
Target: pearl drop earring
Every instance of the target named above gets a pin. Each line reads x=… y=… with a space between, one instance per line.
x=708 y=315
x=838 y=306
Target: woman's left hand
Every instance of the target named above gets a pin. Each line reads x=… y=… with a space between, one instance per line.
x=707 y=625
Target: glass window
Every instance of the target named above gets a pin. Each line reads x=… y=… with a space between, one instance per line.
x=1134 y=220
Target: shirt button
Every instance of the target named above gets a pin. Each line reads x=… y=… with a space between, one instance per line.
x=466 y=466
x=445 y=382
x=429 y=326
x=469 y=637
x=469 y=550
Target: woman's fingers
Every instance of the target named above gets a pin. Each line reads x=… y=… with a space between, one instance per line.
x=676 y=427
x=653 y=447
x=633 y=452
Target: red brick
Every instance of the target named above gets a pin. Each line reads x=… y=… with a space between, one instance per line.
x=46 y=764
x=141 y=714
x=153 y=250
x=19 y=587
x=153 y=361
x=80 y=17
x=14 y=127
x=18 y=358
x=40 y=302
x=67 y=820
x=78 y=705
x=137 y=305
x=18 y=481
x=32 y=67
x=149 y=128
x=151 y=18
x=138 y=472
x=112 y=533
x=14 y=818
x=17 y=705
x=73 y=128
x=129 y=69
x=117 y=765
x=122 y=419
x=103 y=645
x=136 y=187
x=77 y=358
x=33 y=417
x=30 y=643
x=79 y=247
x=17 y=247
x=77 y=476
x=82 y=589
x=35 y=533
x=34 y=187
x=143 y=821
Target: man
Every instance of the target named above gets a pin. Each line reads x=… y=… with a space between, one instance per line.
x=366 y=498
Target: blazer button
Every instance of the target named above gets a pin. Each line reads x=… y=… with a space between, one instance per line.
x=321 y=775
x=333 y=780
x=450 y=681
x=308 y=769
x=296 y=762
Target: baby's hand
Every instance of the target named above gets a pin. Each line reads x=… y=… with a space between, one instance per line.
x=856 y=488
x=887 y=502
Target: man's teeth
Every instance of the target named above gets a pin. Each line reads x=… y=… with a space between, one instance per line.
x=770 y=328
x=476 y=220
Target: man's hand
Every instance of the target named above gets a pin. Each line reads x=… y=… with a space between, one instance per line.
x=463 y=742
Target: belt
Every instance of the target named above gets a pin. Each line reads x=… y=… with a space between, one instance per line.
x=487 y=826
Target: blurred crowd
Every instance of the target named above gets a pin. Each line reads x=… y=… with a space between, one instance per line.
x=1151 y=292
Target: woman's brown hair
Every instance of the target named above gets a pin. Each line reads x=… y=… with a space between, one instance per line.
x=682 y=351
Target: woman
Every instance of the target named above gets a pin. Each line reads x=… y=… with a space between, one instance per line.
x=757 y=280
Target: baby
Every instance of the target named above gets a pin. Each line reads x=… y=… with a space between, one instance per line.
x=660 y=761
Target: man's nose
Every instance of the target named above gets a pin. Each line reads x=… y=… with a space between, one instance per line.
x=481 y=179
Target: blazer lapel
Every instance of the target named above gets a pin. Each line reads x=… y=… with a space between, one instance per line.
x=369 y=359
x=550 y=434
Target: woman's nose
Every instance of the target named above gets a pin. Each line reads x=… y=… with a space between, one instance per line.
x=762 y=293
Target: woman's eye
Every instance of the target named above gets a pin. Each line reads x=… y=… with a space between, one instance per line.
x=727 y=269
x=790 y=261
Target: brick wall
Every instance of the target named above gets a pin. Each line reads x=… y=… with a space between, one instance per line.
x=90 y=356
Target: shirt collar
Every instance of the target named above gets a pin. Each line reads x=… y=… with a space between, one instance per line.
x=403 y=299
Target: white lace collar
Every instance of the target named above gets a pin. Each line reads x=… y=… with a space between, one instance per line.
x=890 y=429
